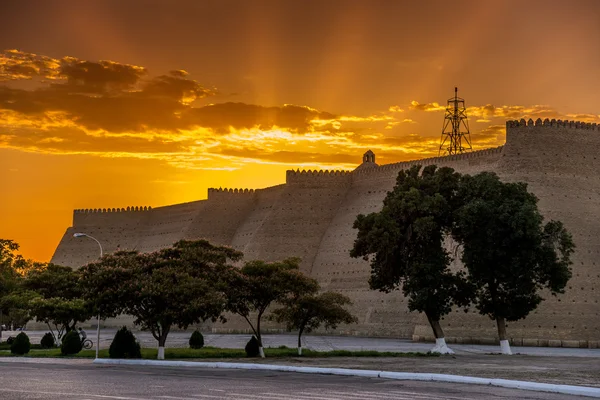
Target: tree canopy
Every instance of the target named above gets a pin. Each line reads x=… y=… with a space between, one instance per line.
x=258 y=284
x=510 y=254
x=170 y=287
x=404 y=243
x=310 y=311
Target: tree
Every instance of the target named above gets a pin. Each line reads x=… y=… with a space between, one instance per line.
x=258 y=284
x=311 y=311
x=404 y=243
x=176 y=286
x=12 y=265
x=56 y=298
x=509 y=252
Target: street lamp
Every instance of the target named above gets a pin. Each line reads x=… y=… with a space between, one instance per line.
x=78 y=235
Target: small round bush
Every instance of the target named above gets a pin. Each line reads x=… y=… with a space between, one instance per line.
x=10 y=340
x=251 y=348
x=196 y=340
x=71 y=344
x=124 y=345
x=21 y=344
x=47 y=341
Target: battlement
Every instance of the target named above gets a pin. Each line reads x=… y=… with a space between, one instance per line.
x=111 y=210
x=552 y=123
x=220 y=193
x=310 y=176
x=384 y=170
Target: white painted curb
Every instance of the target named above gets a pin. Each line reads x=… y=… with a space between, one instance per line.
x=412 y=376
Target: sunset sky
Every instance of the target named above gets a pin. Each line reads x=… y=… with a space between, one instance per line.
x=119 y=103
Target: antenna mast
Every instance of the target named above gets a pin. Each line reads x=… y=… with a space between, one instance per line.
x=454 y=140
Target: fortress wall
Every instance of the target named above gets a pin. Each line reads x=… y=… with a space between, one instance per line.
x=263 y=208
x=299 y=216
x=379 y=314
x=560 y=161
x=166 y=225
x=114 y=229
x=222 y=214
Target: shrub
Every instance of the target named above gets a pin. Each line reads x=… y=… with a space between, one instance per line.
x=10 y=340
x=47 y=341
x=20 y=345
x=197 y=340
x=252 y=348
x=71 y=343
x=124 y=345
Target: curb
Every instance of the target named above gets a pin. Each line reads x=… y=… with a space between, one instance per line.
x=412 y=376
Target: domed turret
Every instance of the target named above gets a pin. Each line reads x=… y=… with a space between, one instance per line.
x=368 y=161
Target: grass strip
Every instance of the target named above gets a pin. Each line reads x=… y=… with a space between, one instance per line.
x=220 y=353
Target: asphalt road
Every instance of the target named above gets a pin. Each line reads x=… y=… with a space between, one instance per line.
x=27 y=381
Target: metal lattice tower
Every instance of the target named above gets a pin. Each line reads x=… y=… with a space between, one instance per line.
x=456 y=137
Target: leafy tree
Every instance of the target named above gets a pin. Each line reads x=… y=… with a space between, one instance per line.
x=311 y=311
x=176 y=286
x=59 y=301
x=404 y=243
x=508 y=250
x=12 y=266
x=258 y=284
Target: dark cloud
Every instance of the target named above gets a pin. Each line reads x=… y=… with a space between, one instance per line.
x=115 y=97
x=17 y=65
x=99 y=77
x=176 y=86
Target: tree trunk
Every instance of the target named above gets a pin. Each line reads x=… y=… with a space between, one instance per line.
x=440 y=341
x=300 y=341
x=161 y=347
x=504 y=345
x=259 y=337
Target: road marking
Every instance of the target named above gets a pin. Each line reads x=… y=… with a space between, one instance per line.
x=361 y=395
x=443 y=396
x=74 y=394
x=192 y=397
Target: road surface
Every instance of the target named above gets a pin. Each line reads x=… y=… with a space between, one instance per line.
x=81 y=380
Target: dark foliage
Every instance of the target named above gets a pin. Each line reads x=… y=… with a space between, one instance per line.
x=251 y=348
x=196 y=340
x=21 y=344
x=47 y=341
x=124 y=345
x=71 y=344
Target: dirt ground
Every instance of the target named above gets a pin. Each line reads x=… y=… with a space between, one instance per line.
x=559 y=370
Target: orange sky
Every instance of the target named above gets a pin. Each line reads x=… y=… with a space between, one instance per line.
x=119 y=103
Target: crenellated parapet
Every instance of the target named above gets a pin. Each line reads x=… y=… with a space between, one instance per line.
x=318 y=176
x=393 y=169
x=111 y=210
x=552 y=123
x=220 y=193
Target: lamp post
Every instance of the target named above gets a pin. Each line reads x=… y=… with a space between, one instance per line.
x=78 y=235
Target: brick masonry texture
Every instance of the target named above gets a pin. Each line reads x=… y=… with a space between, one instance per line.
x=311 y=216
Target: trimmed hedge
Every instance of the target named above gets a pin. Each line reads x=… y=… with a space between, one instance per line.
x=124 y=345
x=47 y=341
x=252 y=348
x=196 y=340
x=71 y=343
x=21 y=345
